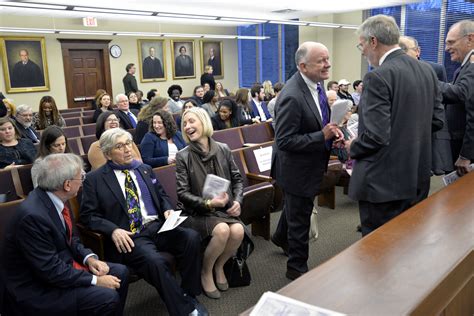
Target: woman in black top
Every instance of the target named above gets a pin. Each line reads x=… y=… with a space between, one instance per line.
x=14 y=150
x=227 y=115
x=103 y=102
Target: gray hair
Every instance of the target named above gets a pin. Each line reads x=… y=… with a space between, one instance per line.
x=109 y=138
x=466 y=27
x=54 y=169
x=23 y=108
x=402 y=44
x=118 y=96
x=383 y=27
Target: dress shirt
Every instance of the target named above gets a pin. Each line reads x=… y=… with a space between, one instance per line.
x=131 y=115
x=313 y=88
x=59 y=205
x=382 y=59
x=468 y=56
x=261 y=113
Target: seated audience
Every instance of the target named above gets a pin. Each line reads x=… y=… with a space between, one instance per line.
x=221 y=92
x=50 y=272
x=216 y=219
x=10 y=107
x=151 y=94
x=125 y=202
x=145 y=116
x=94 y=103
x=343 y=92
x=14 y=150
x=210 y=102
x=271 y=105
x=139 y=94
x=175 y=103
x=331 y=96
x=206 y=87
x=198 y=94
x=3 y=109
x=208 y=78
x=106 y=121
x=243 y=104
x=358 y=86
x=258 y=105
x=227 y=115
x=128 y=119
x=268 y=91
x=332 y=85
x=188 y=104
x=133 y=103
x=24 y=122
x=103 y=105
x=48 y=114
x=162 y=142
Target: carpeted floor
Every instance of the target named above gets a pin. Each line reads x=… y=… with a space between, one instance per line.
x=267 y=264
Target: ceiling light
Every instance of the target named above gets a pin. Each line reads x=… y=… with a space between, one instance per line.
x=289 y=22
x=113 y=11
x=33 y=5
x=139 y=34
x=183 y=35
x=329 y=25
x=25 y=30
x=243 y=20
x=186 y=16
x=350 y=27
x=85 y=32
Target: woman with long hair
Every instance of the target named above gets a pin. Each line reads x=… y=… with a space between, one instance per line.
x=145 y=115
x=242 y=100
x=103 y=102
x=210 y=102
x=48 y=114
x=53 y=141
x=221 y=92
x=227 y=115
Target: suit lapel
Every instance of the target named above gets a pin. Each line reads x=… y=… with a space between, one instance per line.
x=460 y=70
x=114 y=186
x=53 y=213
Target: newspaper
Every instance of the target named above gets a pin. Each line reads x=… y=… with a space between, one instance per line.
x=339 y=111
x=173 y=221
x=275 y=304
x=213 y=186
x=453 y=176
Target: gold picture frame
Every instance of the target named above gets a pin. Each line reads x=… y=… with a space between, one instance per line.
x=152 y=60
x=217 y=62
x=183 y=61
x=25 y=67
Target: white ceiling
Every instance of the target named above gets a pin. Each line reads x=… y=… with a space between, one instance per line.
x=261 y=9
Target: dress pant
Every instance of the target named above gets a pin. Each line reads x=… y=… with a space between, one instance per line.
x=293 y=230
x=147 y=261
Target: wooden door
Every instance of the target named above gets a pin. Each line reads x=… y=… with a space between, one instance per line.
x=86 y=69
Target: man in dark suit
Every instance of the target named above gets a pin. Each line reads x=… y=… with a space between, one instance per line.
x=259 y=107
x=129 y=81
x=125 y=202
x=26 y=73
x=152 y=66
x=303 y=142
x=214 y=62
x=459 y=96
x=47 y=270
x=23 y=121
x=393 y=149
x=128 y=117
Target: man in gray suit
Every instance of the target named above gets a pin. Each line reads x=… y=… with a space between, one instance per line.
x=459 y=96
x=303 y=140
x=393 y=147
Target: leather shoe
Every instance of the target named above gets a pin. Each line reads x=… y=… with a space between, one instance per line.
x=280 y=244
x=214 y=294
x=293 y=274
x=200 y=310
x=222 y=286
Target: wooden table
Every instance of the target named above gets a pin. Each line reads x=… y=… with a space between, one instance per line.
x=420 y=263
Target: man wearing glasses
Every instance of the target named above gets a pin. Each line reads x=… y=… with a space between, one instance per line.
x=24 y=121
x=459 y=96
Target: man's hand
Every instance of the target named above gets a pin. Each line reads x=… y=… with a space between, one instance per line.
x=331 y=131
x=234 y=210
x=221 y=200
x=97 y=267
x=171 y=160
x=462 y=166
x=122 y=240
x=108 y=281
x=167 y=213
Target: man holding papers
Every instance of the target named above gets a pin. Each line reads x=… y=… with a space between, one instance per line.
x=124 y=201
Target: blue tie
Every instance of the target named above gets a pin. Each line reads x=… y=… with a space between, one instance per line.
x=323 y=104
x=132 y=120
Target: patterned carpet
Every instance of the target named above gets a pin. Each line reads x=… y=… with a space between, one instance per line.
x=267 y=264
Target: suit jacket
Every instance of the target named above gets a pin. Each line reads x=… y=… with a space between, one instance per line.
x=129 y=83
x=439 y=70
x=25 y=132
x=393 y=148
x=39 y=258
x=155 y=150
x=105 y=209
x=301 y=156
x=125 y=122
x=255 y=109
x=459 y=100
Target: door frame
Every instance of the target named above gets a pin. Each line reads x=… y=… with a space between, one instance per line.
x=77 y=44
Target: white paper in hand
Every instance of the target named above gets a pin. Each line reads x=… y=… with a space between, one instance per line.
x=339 y=110
x=173 y=221
x=214 y=186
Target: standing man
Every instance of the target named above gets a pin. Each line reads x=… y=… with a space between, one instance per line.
x=128 y=118
x=393 y=149
x=49 y=270
x=129 y=81
x=152 y=66
x=26 y=73
x=24 y=121
x=459 y=96
x=303 y=142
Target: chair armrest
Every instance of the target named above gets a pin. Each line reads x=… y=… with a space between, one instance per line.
x=259 y=177
x=92 y=240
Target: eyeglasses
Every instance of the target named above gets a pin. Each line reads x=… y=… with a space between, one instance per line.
x=360 y=46
x=121 y=146
x=83 y=177
x=116 y=120
x=25 y=115
x=452 y=42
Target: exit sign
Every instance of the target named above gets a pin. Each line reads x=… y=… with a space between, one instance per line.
x=89 y=21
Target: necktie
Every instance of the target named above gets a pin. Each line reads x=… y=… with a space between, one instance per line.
x=146 y=195
x=33 y=135
x=68 y=221
x=132 y=119
x=323 y=104
x=133 y=203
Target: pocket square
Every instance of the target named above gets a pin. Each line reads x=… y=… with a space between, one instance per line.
x=153 y=181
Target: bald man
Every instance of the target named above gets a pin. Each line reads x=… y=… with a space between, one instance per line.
x=26 y=73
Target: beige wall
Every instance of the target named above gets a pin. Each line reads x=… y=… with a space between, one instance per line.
x=346 y=60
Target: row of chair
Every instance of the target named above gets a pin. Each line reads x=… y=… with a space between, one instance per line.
x=82 y=120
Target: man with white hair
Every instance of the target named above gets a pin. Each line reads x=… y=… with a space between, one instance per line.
x=24 y=120
x=127 y=116
x=332 y=97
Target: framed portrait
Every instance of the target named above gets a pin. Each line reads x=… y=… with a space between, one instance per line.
x=152 y=60
x=182 y=53
x=212 y=55
x=24 y=64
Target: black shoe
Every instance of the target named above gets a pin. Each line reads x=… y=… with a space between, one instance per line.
x=293 y=274
x=201 y=309
x=280 y=244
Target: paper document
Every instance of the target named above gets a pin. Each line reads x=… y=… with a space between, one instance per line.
x=263 y=156
x=339 y=111
x=214 y=185
x=275 y=304
x=173 y=221
x=353 y=129
x=453 y=176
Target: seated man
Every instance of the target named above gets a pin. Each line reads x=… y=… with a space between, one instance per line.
x=124 y=201
x=24 y=121
x=49 y=270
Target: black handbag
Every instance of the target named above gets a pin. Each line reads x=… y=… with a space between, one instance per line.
x=236 y=270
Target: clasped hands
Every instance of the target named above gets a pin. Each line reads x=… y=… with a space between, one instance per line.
x=100 y=269
x=221 y=201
